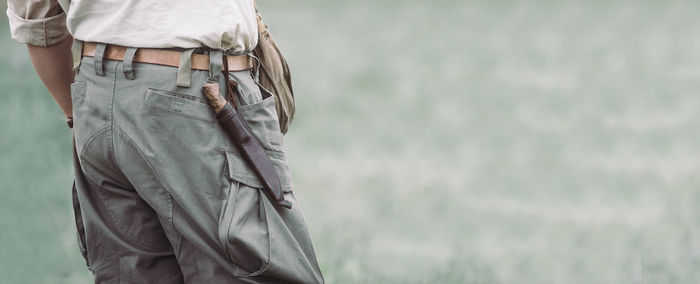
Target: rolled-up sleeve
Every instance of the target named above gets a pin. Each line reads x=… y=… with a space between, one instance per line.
x=37 y=22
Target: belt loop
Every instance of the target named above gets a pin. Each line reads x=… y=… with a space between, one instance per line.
x=256 y=69
x=215 y=61
x=128 y=62
x=99 y=54
x=184 y=69
x=77 y=52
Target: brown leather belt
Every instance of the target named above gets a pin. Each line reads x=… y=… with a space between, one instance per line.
x=167 y=57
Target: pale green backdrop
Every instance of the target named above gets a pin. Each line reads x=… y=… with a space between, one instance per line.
x=442 y=142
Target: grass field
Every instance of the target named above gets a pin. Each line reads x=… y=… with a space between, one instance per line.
x=442 y=142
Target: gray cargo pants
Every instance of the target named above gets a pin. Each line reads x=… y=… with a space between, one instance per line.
x=162 y=195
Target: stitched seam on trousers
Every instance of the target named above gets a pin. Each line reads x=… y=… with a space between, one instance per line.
x=230 y=206
x=114 y=222
x=157 y=177
x=121 y=229
x=86 y=161
x=178 y=254
x=111 y=107
x=92 y=136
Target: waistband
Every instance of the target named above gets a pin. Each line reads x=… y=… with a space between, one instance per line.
x=184 y=60
x=166 y=57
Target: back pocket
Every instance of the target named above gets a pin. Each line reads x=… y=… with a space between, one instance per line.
x=183 y=104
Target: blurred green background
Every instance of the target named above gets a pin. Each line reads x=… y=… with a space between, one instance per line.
x=441 y=142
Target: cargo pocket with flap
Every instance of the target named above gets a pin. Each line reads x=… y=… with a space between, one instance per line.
x=244 y=227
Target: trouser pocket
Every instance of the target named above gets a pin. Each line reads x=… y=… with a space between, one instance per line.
x=262 y=240
x=244 y=231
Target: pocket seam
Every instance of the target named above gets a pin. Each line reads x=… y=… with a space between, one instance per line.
x=78 y=90
x=268 y=257
x=227 y=219
x=273 y=137
x=178 y=95
x=239 y=170
x=189 y=106
x=229 y=213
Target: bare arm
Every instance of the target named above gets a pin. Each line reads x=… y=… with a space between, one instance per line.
x=54 y=66
x=41 y=24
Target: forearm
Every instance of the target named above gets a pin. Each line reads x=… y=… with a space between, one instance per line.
x=54 y=65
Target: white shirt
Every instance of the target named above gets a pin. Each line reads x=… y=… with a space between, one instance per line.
x=220 y=24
